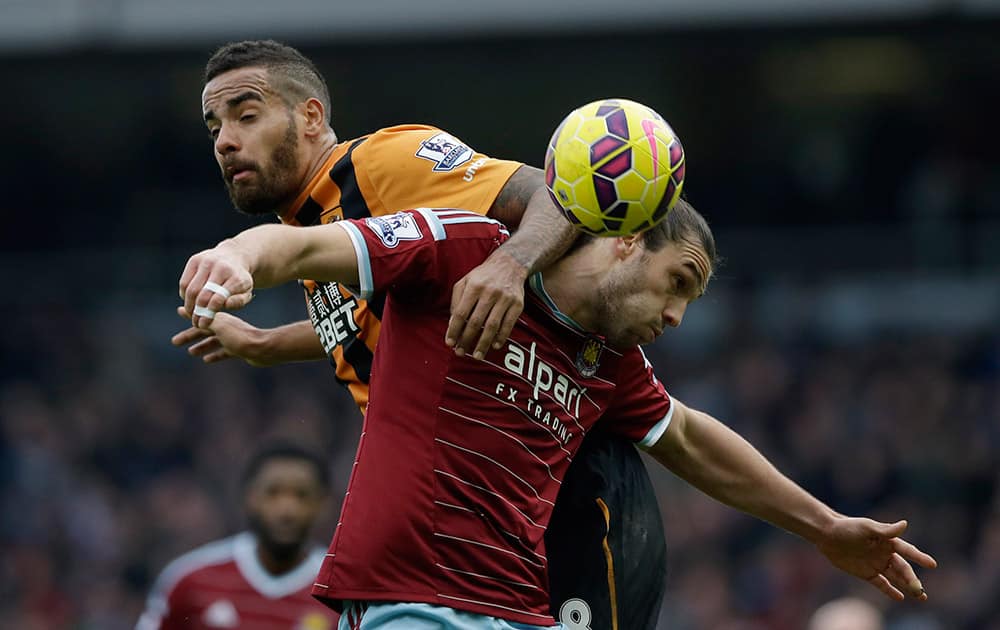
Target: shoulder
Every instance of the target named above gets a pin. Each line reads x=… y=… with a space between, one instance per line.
x=401 y=135
x=209 y=555
x=417 y=141
x=426 y=224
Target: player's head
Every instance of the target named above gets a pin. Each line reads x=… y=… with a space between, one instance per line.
x=284 y=488
x=267 y=108
x=848 y=613
x=653 y=277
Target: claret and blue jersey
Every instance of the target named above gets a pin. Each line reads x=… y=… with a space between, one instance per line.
x=460 y=461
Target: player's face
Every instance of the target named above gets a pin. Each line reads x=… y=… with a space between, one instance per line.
x=255 y=139
x=282 y=503
x=649 y=291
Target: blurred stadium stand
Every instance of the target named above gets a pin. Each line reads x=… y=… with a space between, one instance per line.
x=845 y=153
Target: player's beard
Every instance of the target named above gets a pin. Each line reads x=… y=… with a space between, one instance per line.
x=612 y=309
x=283 y=552
x=275 y=186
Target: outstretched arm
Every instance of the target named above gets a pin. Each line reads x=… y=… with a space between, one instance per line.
x=487 y=301
x=708 y=455
x=233 y=338
x=262 y=257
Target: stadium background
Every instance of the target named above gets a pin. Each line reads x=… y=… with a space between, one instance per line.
x=845 y=154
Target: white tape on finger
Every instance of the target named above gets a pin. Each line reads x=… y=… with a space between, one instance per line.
x=201 y=311
x=217 y=288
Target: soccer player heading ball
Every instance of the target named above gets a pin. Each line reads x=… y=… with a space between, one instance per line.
x=614 y=167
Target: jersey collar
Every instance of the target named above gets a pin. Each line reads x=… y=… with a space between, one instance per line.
x=288 y=216
x=537 y=287
x=273 y=586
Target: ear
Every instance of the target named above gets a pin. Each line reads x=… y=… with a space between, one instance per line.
x=314 y=115
x=625 y=246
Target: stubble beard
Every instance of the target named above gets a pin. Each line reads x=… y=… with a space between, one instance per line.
x=610 y=302
x=276 y=186
x=285 y=552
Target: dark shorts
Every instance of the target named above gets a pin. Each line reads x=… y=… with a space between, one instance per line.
x=605 y=543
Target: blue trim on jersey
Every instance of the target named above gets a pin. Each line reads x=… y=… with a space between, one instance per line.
x=419 y=616
x=656 y=432
x=367 y=284
x=433 y=222
x=538 y=288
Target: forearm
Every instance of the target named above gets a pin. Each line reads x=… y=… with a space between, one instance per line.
x=719 y=462
x=276 y=254
x=288 y=344
x=541 y=232
x=543 y=235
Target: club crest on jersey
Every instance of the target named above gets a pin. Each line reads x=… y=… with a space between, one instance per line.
x=394 y=228
x=314 y=621
x=589 y=357
x=445 y=150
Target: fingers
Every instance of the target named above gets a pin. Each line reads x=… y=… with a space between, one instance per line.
x=881 y=583
x=481 y=317
x=509 y=319
x=911 y=553
x=189 y=336
x=219 y=355
x=476 y=325
x=460 y=308
x=498 y=326
x=894 y=530
x=214 y=280
x=205 y=347
x=901 y=574
x=193 y=278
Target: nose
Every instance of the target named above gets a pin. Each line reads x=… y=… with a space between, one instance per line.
x=226 y=141
x=674 y=312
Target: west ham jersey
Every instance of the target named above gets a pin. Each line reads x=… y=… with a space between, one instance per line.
x=223 y=585
x=393 y=169
x=460 y=461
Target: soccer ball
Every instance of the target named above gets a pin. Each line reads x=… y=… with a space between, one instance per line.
x=614 y=167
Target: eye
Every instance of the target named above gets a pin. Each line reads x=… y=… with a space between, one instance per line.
x=680 y=283
x=213 y=133
x=248 y=117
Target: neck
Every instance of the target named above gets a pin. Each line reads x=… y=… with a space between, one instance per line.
x=318 y=156
x=279 y=564
x=571 y=282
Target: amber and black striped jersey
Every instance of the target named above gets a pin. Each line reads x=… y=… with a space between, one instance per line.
x=393 y=169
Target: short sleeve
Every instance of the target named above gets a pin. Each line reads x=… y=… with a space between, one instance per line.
x=426 y=250
x=642 y=408
x=413 y=166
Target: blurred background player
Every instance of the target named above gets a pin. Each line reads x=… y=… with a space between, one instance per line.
x=847 y=613
x=267 y=108
x=260 y=578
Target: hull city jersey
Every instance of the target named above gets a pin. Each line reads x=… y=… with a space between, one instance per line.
x=408 y=166
x=223 y=585
x=460 y=461
x=608 y=563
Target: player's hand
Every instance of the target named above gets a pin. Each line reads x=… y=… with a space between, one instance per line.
x=485 y=304
x=875 y=553
x=228 y=337
x=213 y=280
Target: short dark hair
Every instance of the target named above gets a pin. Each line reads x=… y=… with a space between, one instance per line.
x=291 y=73
x=285 y=450
x=682 y=223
